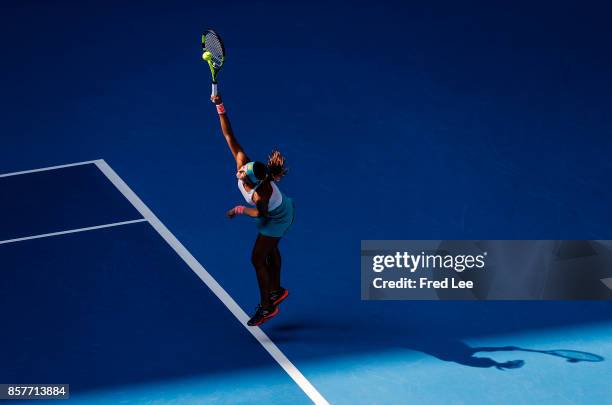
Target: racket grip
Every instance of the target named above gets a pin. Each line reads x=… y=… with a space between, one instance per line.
x=214 y=90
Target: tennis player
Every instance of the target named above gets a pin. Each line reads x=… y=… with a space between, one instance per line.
x=273 y=212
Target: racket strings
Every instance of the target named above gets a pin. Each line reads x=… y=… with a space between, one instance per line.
x=213 y=45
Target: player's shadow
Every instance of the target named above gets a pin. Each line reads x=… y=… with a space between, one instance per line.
x=451 y=350
x=461 y=353
x=458 y=352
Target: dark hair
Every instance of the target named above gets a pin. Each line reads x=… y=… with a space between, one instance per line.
x=275 y=169
x=276 y=165
x=260 y=170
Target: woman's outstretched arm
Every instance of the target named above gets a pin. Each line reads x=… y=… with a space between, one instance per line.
x=239 y=155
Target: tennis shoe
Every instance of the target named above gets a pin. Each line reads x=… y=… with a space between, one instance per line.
x=276 y=297
x=262 y=315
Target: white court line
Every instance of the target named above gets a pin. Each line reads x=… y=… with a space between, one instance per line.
x=214 y=286
x=90 y=228
x=44 y=169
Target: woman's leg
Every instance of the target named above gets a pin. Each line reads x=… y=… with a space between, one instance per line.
x=276 y=261
x=262 y=259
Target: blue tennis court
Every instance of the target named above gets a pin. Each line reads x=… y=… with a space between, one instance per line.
x=96 y=291
x=121 y=275
x=90 y=287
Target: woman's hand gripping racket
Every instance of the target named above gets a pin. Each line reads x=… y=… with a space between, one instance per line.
x=213 y=52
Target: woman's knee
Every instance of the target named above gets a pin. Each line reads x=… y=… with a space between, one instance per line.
x=258 y=258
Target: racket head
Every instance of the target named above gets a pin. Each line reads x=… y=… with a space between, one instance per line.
x=574 y=356
x=212 y=42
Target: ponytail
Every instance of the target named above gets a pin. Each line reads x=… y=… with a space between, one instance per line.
x=276 y=165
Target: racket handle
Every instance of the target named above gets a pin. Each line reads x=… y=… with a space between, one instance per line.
x=214 y=90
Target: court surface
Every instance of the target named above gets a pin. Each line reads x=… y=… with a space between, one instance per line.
x=93 y=281
x=97 y=292
x=467 y=121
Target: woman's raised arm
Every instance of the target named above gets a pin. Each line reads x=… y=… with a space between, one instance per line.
x=239 y=155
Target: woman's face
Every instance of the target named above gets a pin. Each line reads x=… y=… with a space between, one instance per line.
x=241 y=174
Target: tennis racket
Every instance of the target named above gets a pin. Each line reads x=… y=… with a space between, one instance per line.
x=213 y=52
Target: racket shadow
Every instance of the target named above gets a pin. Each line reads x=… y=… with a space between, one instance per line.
x=572 y=356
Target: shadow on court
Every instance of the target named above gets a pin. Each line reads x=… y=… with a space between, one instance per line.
x=441 y=339
x=461 y=353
